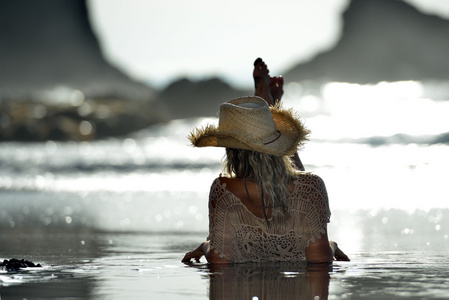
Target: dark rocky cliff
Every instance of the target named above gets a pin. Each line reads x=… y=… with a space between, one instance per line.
x=50 y=42
x=54 y=80
x=382 y=40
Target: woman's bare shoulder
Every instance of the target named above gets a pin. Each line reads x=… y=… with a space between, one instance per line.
x=225 y=182
x=228 y=181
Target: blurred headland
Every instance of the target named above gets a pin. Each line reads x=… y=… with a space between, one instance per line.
x=55 y=83
x=382 y=40
x=185 y=98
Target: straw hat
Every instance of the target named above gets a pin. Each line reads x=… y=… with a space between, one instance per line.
x=249 y=123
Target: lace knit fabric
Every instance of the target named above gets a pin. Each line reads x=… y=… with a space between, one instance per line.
x=239 y=236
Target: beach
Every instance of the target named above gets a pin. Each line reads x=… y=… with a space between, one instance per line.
x=112 y=218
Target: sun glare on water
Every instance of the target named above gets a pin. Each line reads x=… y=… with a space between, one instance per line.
x=347 y=110
x=375 y=110
x=354 y=147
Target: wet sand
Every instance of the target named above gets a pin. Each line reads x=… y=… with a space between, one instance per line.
x=95 y=265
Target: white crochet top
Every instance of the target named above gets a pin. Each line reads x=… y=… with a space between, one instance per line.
x=239 y=236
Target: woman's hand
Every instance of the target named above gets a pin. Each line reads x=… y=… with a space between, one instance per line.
x=195 y=254
x=337 y=253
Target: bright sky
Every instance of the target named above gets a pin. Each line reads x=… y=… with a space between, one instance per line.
x=159 y=40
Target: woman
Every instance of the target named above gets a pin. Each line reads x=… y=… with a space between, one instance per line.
x=265 y=209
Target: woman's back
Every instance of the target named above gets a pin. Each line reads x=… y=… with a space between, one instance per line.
x=240 y=233
x=284 y=216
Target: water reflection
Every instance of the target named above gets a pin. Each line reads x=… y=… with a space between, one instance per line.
x=268 y=281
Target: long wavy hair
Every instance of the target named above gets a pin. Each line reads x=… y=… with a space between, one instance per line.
x=272 y=173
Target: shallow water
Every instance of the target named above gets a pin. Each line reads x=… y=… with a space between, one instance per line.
x=147 y=266
x=111 y=219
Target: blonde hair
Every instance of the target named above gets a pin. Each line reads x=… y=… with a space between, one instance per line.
x=272 y=173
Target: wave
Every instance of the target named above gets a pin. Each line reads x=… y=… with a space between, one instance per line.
x=400 y=138
x=74 y=167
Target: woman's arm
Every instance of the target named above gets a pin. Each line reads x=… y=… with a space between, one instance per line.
x=297 y=162
x=271 y=90
x=204 y=249
x=320 y=250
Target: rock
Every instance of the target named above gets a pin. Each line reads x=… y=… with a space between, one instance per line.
x=382 y=40
x=185 y=98
x=15 y=264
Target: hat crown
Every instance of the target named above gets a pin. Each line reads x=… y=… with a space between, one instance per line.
x=249 y=123
x=248 y=118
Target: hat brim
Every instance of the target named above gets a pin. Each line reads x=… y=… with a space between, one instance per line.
x=293 y=134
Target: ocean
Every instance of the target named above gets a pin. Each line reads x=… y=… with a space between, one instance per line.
x=112 y=218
